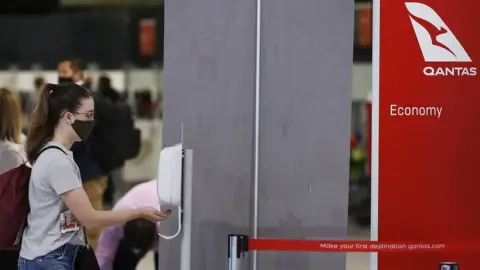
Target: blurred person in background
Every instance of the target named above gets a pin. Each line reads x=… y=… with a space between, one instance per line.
x=38 y=84
x=94 y=179
x=71 y=71
x=106 y=90
x=123 y=246
x=115 y=182
x=88 y=83
x=12 y=154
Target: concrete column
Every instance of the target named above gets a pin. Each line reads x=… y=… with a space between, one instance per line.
x=305 y=126
x=209 y=78
x=209 y=84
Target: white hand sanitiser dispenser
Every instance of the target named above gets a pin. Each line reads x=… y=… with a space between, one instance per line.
x=170 y=181
x=170 y=172
x=174 y=188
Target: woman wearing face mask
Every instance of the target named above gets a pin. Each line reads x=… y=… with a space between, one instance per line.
x=59 y=207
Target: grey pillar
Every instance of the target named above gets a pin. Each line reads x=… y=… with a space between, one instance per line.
x=305 y=127
x=209 y=77
x=209 y=84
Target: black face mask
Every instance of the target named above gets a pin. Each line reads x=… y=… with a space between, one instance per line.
x=65 y=80
x=83 y=128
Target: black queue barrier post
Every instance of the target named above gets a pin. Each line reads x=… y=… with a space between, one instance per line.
x=237 y=249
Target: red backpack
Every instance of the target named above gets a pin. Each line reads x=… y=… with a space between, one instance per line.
x=14 y=206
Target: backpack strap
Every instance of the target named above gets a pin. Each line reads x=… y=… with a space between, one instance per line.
x=50 y=147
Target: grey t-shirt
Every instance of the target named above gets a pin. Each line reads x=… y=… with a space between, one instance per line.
x=53 y=174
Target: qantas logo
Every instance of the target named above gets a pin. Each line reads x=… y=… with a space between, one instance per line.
x=437 y=42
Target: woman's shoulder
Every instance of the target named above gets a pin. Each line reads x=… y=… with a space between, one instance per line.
x=11 y=155
x=55 y=156
x=7 y=147
x=20 y=148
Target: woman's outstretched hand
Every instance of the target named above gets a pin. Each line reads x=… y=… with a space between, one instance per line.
x=154 y=215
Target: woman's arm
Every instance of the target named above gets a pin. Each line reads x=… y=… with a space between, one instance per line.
x=77 y=201
x=63 y=177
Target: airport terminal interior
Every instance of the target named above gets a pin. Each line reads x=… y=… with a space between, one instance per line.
x=133 y=51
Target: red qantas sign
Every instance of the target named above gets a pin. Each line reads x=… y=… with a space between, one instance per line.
x=426 y=129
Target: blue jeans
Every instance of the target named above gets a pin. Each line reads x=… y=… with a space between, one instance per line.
x=60 y=259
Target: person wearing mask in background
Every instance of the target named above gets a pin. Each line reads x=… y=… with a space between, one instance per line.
x=59 y=206
x=12 y=153
x=71 y=71
x=123 y=246
x=95 y=180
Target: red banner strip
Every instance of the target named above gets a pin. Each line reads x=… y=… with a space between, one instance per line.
x=358 y=246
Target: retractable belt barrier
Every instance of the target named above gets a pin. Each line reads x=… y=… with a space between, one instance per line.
x=240 y=245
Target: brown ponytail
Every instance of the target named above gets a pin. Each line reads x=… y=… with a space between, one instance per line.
x=40 y=130
x=52 y=101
